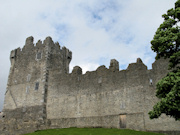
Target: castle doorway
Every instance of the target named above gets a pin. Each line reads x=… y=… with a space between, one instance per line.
x=122 y=121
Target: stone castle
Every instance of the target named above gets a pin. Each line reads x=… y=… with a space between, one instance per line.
x=42 y=94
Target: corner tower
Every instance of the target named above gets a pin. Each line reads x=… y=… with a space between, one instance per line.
x=27 y=86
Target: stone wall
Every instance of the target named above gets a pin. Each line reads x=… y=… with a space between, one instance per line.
x=108 y=92
x=22 y=120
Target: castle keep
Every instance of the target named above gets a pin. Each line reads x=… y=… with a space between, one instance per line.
x=42 y=94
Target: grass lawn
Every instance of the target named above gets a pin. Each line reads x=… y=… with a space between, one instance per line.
x=91 y=131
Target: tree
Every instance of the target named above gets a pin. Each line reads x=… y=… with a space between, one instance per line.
x=166 y=44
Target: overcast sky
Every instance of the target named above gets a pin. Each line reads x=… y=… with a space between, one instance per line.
x=94 y=30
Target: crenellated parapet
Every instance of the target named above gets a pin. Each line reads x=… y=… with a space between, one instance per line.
x=132 y=67
x=36 y=52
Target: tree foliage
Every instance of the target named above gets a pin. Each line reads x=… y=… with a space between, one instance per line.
x=168 y=90
x=166 y=44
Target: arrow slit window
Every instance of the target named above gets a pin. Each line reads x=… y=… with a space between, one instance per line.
x=37 y=86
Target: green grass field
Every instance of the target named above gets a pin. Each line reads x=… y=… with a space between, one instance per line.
x=91 y=131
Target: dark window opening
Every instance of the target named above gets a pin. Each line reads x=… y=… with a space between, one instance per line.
x=38 y=55
x=150 y=82
x=37 y=86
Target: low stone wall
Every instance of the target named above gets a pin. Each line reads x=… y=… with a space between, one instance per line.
x=136 y=121
x=110 y=121
x=23 y=120
x=30 y=119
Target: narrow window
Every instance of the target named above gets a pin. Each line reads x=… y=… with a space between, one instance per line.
x=100 y=80
x=37 y=86
x=38 y=55
x=27 y=89
x=150 y=82
x=28 y=77
x=122 y=105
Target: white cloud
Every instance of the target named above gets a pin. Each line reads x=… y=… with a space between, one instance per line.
x=95 y=31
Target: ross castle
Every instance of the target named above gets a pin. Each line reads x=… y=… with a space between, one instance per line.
x=42 y=94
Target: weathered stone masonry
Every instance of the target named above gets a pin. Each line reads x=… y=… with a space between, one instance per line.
x=42 y=94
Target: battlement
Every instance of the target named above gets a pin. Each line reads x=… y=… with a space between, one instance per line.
x=39 y=46
x=114 y=67
x=55 y=48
